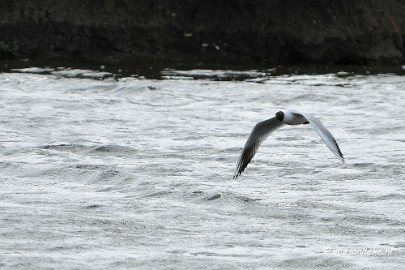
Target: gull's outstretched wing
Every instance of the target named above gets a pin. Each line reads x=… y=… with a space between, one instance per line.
x=325 y=135
x=259 y=133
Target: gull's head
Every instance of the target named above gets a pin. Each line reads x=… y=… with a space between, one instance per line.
x=280 y=116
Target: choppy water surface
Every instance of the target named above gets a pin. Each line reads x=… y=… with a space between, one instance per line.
x=137 y=173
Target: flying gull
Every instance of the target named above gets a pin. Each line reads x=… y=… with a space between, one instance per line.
x=285 y=117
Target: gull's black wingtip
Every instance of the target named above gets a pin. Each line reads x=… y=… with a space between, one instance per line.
x=239 y=170
x=340 y=154
x=237 y=173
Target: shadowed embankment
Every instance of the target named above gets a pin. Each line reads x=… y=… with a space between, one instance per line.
x=235 y=32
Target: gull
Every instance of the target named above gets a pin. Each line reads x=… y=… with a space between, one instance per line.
x=285 y=117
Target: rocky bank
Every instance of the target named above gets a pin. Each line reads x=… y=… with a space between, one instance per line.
x=226 y=31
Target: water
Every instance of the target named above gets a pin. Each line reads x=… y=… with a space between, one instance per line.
x=137 y=173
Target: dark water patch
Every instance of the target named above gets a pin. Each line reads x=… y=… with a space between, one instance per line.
x=63 y=147
x=157 y=194
x=94 y=206
x=73 y=173
x=216 y=75
x=241 y=200
x=363 y=228
x=114 y=176
x=316 y=262
x=362 y=165
x=371 y=198
x=108 y=189
x=113 y=150
x=214 y=197
x=87 y=174
x=108 y=174
x=365 y=220
x=399 y=245
x=197 y=193
x=223 y=198
x=365 y=198
x=88 y=167
x=195 y=71
x=200 y=196
x=220 y=255
x=66 y=72
x=391 y=196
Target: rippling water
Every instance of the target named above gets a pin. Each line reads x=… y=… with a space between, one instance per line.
x=137 y=173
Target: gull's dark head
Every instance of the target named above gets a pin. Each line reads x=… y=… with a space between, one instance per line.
x=280 y=116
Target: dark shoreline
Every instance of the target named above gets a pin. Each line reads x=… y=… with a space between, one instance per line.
x=229 y=32
x=155 y=70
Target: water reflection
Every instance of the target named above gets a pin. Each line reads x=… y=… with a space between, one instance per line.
x=197 y=71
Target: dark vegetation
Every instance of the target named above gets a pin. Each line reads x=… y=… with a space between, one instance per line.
x=360 y=32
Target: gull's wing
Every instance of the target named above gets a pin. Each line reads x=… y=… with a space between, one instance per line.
x=325 y=135
x=259 y=133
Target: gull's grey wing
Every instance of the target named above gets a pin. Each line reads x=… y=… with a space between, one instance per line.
x=259 y=133
x=325 y=135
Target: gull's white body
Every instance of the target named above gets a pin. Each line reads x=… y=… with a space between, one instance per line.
x=291 y=118
x=285 y=117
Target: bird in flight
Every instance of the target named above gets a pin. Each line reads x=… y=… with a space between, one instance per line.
x=285 y=117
